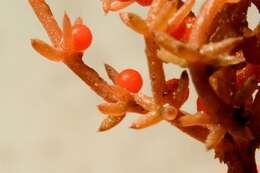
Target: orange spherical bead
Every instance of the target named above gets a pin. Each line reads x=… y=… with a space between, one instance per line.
x=172 y=85
x=201 y=106
x=131 y=80
x=183 y=32
x=82 y=37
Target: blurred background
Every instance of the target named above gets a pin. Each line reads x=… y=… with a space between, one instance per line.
x=48 y=117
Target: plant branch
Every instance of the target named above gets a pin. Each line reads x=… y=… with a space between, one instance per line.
x=156 y=71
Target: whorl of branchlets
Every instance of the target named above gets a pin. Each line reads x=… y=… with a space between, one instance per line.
x=222 y=56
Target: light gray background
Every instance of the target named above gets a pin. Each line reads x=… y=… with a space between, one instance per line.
x=48 y=117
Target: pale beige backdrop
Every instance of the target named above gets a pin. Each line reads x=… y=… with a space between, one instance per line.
x=48 y=118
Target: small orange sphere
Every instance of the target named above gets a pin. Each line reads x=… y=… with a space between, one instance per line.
x=183 y=32
x=131 y=80
x=201 y=106
x=82 y=37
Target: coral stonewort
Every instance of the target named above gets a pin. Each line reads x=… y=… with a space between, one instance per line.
x=217 y=48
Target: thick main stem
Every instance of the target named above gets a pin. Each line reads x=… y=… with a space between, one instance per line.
x=242 y=166
x=219 y=111
x=239 y=157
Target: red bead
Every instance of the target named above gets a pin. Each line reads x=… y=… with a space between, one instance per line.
x=183 y=32
x=178 y=33
x=189 y=22
x=82 y=37
x=144 y=2
x=130 y=79
x=201 y=106
x=172 y=85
